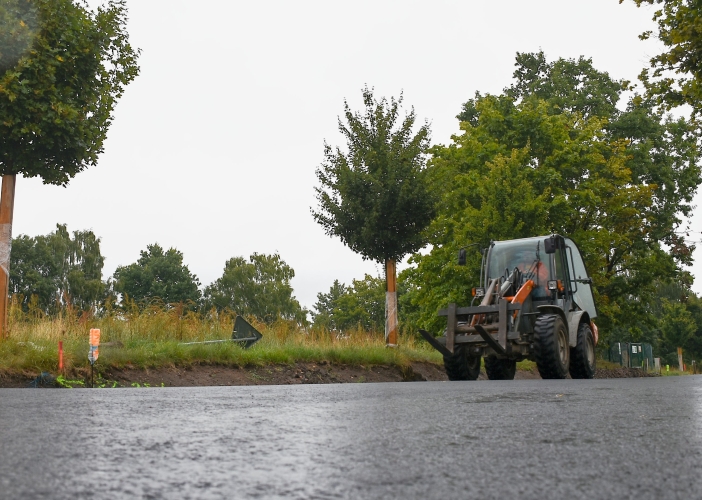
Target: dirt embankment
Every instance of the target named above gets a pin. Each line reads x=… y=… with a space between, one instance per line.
x=299 y=373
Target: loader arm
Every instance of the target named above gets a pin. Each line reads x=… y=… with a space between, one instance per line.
x=486 y=301
x=522 y=294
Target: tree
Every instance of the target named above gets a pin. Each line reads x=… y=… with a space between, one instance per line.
x=327 y=304
x=56 y=102
x=500 y=203
x=375 y=196
x=675 y=76
x=678 y=327
x=360 y=305
x=158 y=274
x=554 y=154
x=694 y=346
x=34 y=273
x=62 y=69
x=59 y=270
x=260 y=288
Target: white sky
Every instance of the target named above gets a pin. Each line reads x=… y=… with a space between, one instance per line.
x=214 y=146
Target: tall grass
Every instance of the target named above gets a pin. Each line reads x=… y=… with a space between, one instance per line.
x=153 y=337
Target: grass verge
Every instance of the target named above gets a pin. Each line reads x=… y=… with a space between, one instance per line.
x=154 y=338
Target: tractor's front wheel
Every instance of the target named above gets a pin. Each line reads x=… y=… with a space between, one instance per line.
x=582 y=356
x=500 y=369
x=460 y=366
x=551 y=347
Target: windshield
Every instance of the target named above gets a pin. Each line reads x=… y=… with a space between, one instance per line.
x=583 y=291
x=526 y=255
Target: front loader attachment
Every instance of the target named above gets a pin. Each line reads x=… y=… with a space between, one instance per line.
x=494 y=333
x=434 y=342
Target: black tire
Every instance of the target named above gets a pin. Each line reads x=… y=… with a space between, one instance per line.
x=582 y=356
x=500 y=369
x=551 y=346
x=460 y=366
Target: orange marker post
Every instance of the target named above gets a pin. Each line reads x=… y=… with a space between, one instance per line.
x=94 y=351
x=61 y=355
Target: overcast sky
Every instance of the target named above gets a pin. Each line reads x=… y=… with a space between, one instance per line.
x=214 y=146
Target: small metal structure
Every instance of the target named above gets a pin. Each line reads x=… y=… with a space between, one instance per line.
x=631 y=355
x=243 y=332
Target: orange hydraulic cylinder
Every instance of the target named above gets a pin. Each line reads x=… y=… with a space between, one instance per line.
x=523 y=293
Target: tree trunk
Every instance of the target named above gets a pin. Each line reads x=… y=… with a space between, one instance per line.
x=7 y=206
x=680 y=360
x=390 y=304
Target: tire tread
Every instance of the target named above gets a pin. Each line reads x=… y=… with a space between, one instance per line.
x=500 y=369
x=546 y=351
x=578 y=356
x=458 y=367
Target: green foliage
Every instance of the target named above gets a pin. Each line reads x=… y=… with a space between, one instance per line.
x=677 y=324
x=260 y=288
x=359 y=306
x=554 y=154
x=693 y=304
x=158 y=274
x=53 y=271
x=57 y=93
x=675 y=76
x=506 y=206
x=61 y=381
x=19 y=25
x=376 y=197
x=327 y=304
x=567 y=85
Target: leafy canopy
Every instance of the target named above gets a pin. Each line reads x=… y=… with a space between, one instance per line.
x=375 y=196
x=260 y=288
x=19 y=25
x=553 y=153
x=361 y=305
x=675 y=76
x=56 y=270
x=158 y=275
x=62 y=69
x=678 y=325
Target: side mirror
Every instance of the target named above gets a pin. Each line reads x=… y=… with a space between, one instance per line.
x=550 y=245
x=462 y=257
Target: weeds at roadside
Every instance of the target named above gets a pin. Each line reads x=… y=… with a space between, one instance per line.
x=68 y=384
x=153 y=337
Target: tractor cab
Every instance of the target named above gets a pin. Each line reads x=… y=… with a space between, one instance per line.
x=553 y=263
x=523 y=259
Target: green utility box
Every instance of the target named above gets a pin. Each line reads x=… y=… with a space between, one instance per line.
x=631 y=355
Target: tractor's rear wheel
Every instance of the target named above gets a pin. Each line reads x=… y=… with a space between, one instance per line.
x=551 y=347
x=582 y=356
x=460 y=366
x=500 y=369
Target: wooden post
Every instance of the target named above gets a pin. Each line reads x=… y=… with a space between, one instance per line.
x=7 y=206
x=680 y=360
x=391 y=304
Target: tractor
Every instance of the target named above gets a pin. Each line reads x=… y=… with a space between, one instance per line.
x=534 y=302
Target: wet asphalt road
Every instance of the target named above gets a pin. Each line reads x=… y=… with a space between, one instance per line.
x=571 y=439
